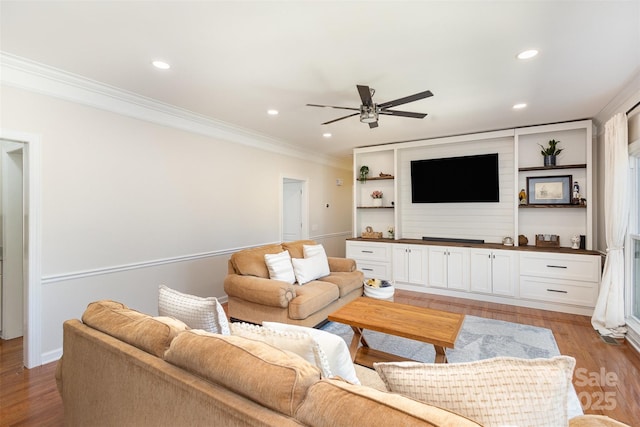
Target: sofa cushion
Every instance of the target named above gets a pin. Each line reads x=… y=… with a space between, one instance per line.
x=274 y=378
x=495 y=392
x=346 y=282
x=250 y=262
x=280 y=267
x=333 y=346
x=197 y=312
x=312 y=297
x=296 y=249
x=298 y=342
x=333 y=402
x=147 y=333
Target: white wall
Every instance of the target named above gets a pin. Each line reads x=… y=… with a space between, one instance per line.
x=128 y=205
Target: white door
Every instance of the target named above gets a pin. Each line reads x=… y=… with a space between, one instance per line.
x=12 y=288
x=457 y=268
x=399 y=263
x=417 y=268
x=481 y=270
x=438 y=266
x=292 y=210
x=504 y=278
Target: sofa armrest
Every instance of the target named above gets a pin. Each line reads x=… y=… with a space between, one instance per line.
x=341 y=264
x=269 y=292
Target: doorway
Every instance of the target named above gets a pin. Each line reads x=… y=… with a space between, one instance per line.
x=294 y=212
x=12 y=286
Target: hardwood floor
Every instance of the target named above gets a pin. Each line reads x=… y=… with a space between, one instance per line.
x=607 y=377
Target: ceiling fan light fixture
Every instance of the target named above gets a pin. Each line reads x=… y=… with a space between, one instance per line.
x=368 y=114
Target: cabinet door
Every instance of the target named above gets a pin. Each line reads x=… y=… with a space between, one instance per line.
x=480 y=262
x=504 y=277
x=458 y=268
x=417 y=265
x=400 y=262
x=438 y=266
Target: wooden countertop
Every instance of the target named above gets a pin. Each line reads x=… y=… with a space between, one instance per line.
x=531 y=248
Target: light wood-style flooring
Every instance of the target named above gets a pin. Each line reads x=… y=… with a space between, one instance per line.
x=609 y=383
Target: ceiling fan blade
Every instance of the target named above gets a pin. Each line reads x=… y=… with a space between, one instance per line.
x=406 y=99
x=373 y=125
x=333 y=106
x=403 y=114
x=365 y=95
x=341 y=118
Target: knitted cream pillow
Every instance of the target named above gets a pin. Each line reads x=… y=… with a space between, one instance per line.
x=197 y=312
x=502 y=391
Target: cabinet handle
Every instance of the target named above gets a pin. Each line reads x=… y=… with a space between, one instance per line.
x=367 y=252
x=558 y=291
x=556 y=266
x=367 y=269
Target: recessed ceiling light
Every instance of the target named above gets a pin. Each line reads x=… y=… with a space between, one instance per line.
x=161 y=65
x=527 y=54
x=326 y=135
x=519 y=106
x=272 y=112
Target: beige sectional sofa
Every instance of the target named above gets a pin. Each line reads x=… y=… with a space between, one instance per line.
x=125 y=368
x=254 y=297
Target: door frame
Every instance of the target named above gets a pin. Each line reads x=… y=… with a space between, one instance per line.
x=32 y=172
x=304 y=201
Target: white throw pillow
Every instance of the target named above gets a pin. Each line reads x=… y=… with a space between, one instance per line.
x=312 y=251
x=280 y=267
x=502 y=391
x=334 y=348
x=300 y=343
x=196 y=312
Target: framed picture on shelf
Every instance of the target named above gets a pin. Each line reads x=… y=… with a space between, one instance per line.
x=549 y=190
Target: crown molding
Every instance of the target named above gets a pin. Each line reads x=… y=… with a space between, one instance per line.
x=36 y=77
x=628 y=96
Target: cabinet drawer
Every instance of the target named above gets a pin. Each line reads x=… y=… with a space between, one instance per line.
x=561 y=266
x=373 y=270
x=369 y=251
x=559 y=291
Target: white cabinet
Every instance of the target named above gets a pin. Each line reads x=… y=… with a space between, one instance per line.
x=449 y=267
x=560 y=278
x=410 y=264
x=372 y=258
x=493 y=271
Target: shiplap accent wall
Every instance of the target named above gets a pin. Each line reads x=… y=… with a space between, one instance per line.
x=488 y=221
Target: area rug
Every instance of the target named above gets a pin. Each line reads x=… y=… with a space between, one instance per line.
x=479 y=338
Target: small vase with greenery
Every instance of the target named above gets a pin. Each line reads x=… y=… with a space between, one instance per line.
x=364 y=171
x=550 y=152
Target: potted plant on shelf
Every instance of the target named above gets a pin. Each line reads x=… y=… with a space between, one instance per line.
x=550 y=152
x=377 y=198
x=364 y=171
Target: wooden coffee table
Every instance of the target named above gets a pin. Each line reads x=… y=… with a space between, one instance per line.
x=436 y=327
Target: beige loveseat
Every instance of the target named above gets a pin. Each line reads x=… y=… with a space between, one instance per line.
x=124 y=368
x=254 y=297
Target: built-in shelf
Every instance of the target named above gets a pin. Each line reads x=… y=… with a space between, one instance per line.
x=376 y=207
x=376 y=178
x=541 y=168
x=550 y=206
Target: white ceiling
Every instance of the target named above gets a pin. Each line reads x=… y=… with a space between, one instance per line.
x=233 y=60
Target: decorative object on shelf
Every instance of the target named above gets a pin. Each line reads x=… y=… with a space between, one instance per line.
x=364 y=171
x=548 y=240
x=575 y=242
x=522 y=240
x=522 y=196
x=391 y=231
x=385 y=175
x=575 y=195
x=550 y=152
x=377 y=198
x=507 y=241
x=549 y=190
x=370 y=234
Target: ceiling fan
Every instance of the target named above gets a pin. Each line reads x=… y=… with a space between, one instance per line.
x=369 y=111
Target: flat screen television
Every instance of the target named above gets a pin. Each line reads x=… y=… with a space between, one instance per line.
x=467 y=179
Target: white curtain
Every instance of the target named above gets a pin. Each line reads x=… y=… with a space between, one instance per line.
x=608 y=316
